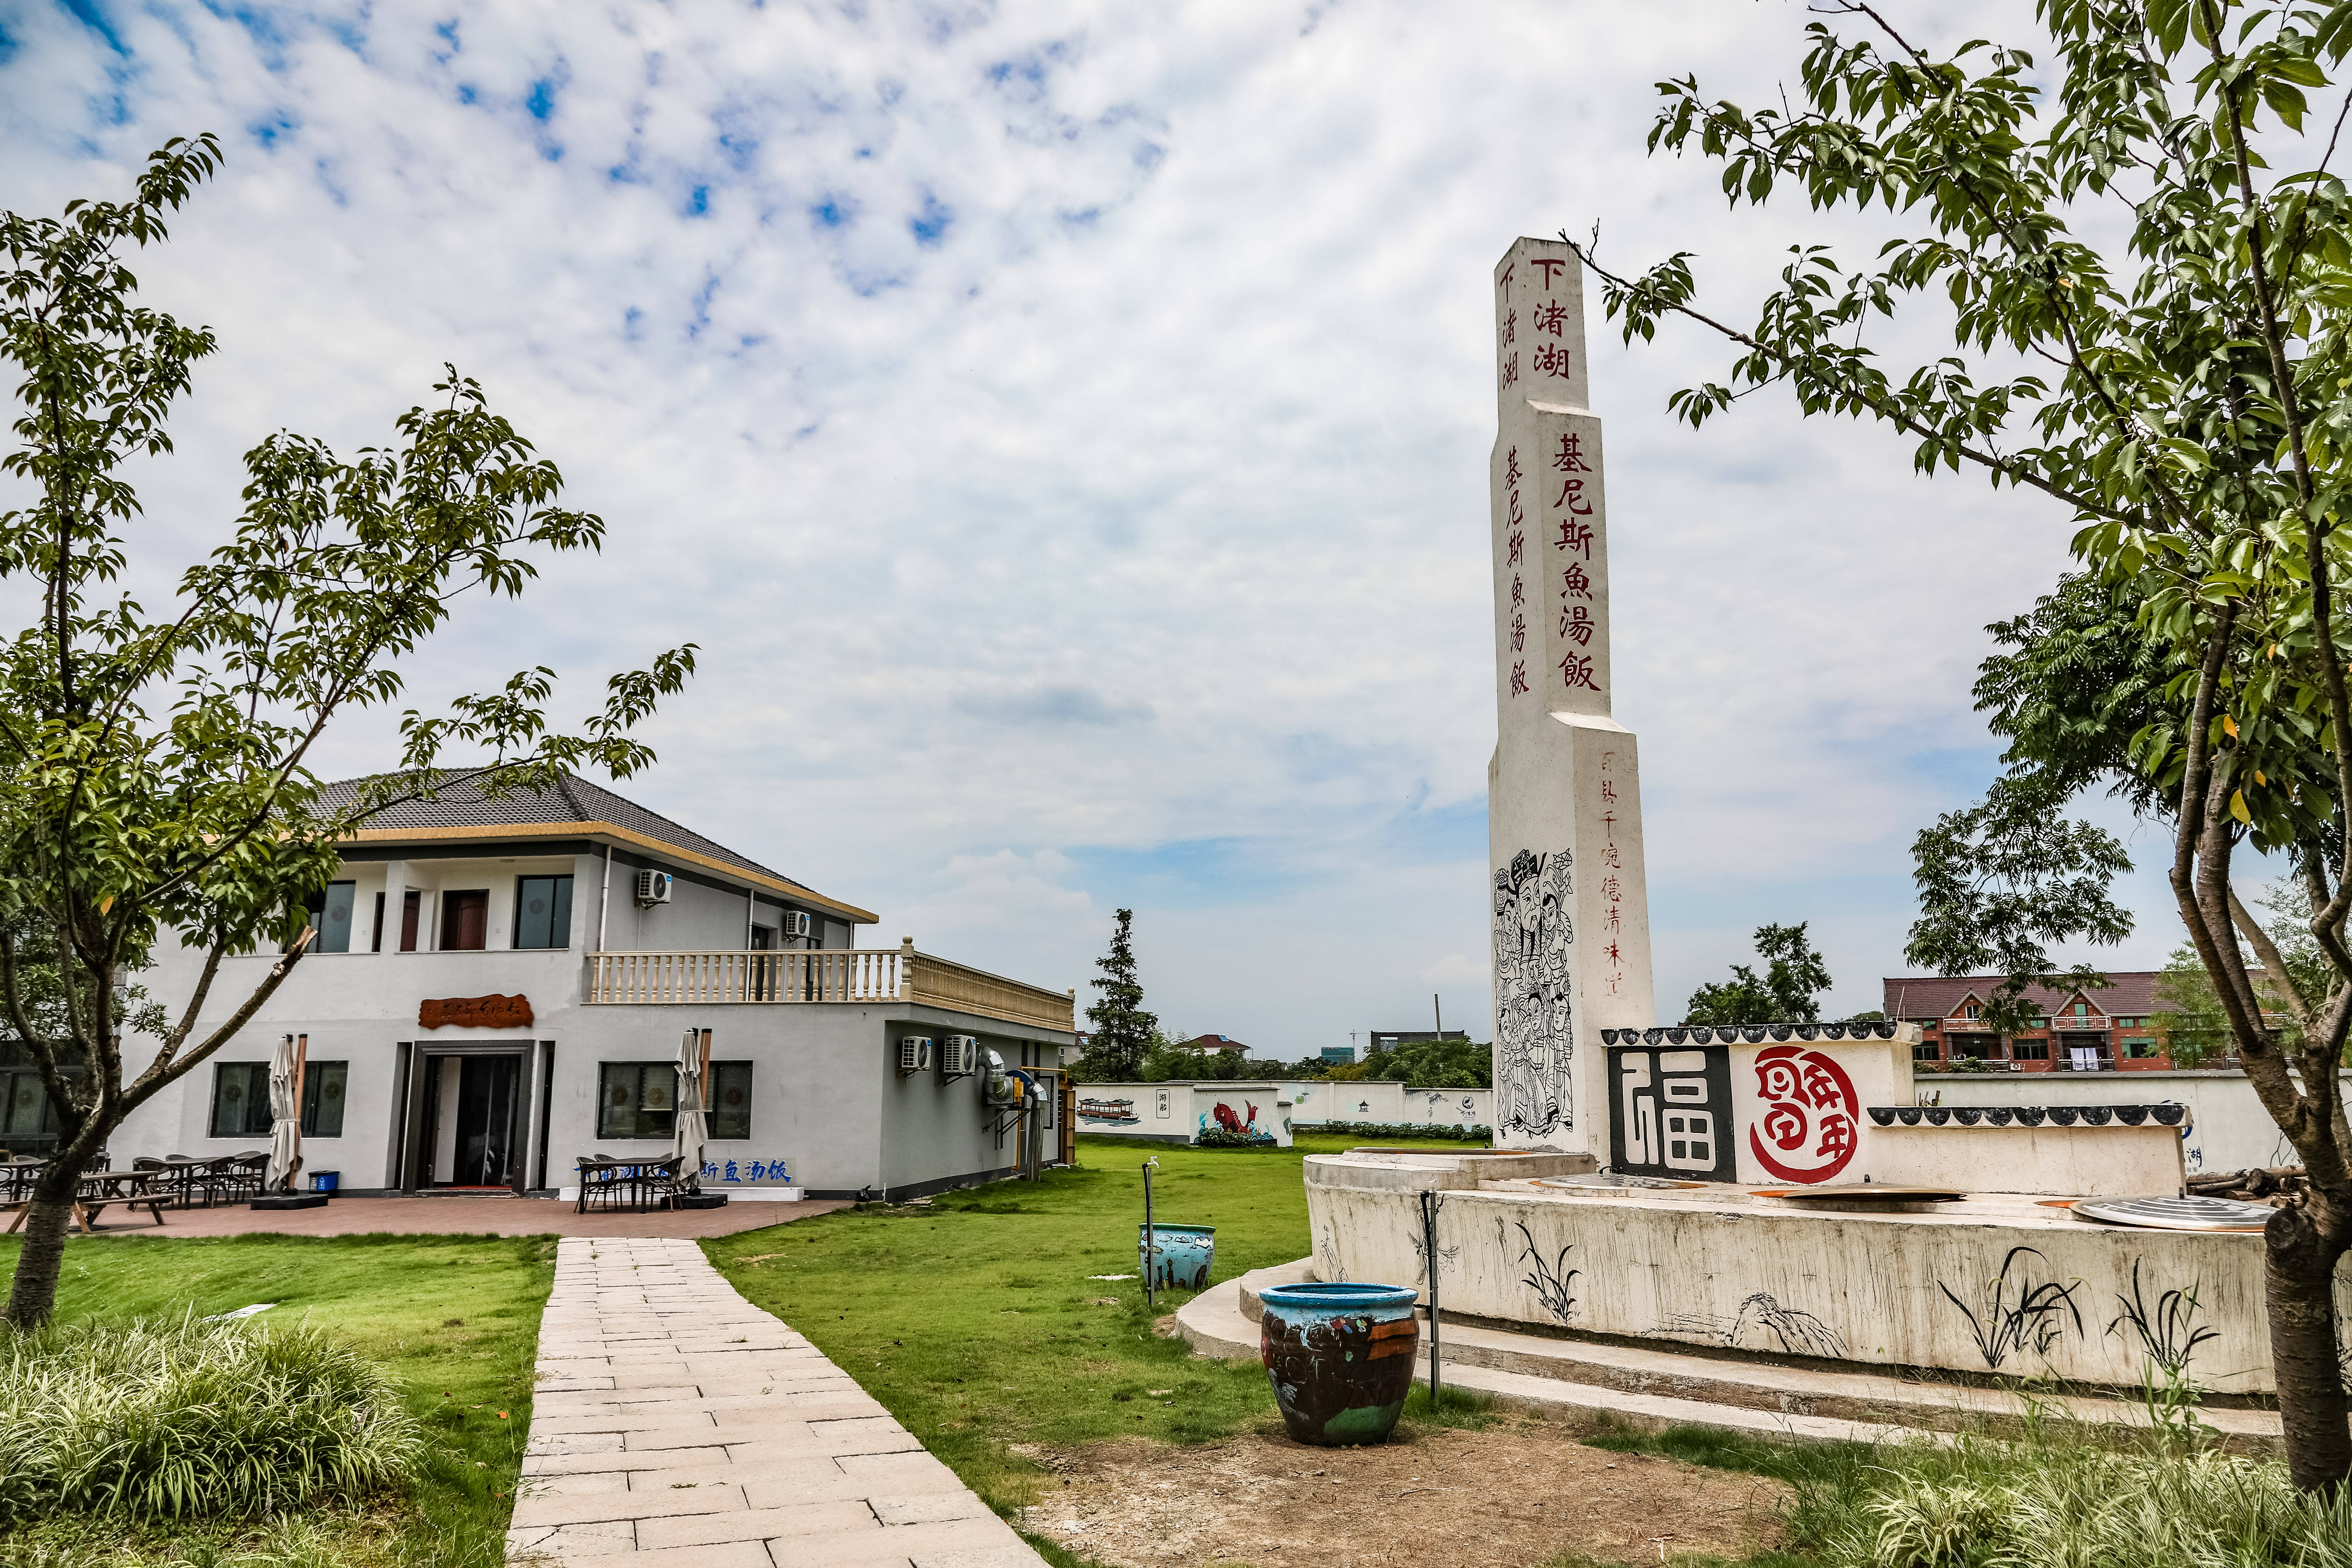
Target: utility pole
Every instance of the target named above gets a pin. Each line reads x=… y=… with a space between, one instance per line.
x=1439 y=1013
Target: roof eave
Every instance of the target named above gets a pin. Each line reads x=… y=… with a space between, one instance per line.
x=522 y=832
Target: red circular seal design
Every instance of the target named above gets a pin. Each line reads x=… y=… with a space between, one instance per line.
x=1806 y=1128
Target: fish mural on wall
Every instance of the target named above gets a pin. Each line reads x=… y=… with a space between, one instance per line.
x=1227 y=1121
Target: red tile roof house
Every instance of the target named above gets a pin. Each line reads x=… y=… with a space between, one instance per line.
x=1216 y=1042
x=2118 y=1028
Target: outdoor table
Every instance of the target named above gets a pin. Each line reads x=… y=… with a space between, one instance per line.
x=615 y=1183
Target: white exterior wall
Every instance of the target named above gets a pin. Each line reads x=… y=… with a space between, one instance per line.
x=827 y=1103
x=1723 y=1270
x=2226 y=1129
x=1176 y=1112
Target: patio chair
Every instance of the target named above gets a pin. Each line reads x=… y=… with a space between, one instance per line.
x=240 y=1177
x=602 y=1183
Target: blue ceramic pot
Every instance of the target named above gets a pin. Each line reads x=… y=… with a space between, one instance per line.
x=1180 y=1261
x=1341 y=1358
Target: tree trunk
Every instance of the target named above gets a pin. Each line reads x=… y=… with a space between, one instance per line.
x=2299 y=1288
x=33 y=1295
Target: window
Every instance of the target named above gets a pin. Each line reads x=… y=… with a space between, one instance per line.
x=730 y=1099
x=636 y=1100
x=2031 y=1050
x=412 y=911
x=1925 y=1051
x=377 y=945
x=1972 y=1011
x=27 y=1117
x=322 y=1098
x=2082 y=1010
x=543 y=911
x=241 y=1100
x=2139 y=1047
x=465 y=920
x=331 y=911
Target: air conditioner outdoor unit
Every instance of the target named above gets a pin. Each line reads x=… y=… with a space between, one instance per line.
x=914 y=1053
x=654 y=887
x=796 y=923
x=959 y=1056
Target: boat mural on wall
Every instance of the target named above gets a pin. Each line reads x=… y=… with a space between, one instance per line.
x=1115 y=1113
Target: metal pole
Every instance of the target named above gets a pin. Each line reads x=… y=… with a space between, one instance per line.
x=1151 y=1241
x=1429 y=1254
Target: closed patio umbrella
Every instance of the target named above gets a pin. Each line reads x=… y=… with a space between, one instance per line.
x=286 y=1113
x=693 y=1126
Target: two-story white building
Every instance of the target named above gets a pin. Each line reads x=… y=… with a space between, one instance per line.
x=499 y=988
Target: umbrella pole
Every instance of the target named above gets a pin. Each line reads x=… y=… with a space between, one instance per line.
x=301 y=1061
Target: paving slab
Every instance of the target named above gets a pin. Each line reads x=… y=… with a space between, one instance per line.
x=680 y=1426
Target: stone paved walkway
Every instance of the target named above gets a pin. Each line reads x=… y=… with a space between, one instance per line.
x=678 y=1426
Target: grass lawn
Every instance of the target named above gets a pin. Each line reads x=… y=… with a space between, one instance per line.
x=456 y=1320
x=975 y=1321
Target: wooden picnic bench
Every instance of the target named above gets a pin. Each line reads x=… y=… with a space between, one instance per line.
x=97 y=1191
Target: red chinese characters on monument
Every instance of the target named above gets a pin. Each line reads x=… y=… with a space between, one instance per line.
x=1516 y=524
x=1612 y=887
x=1804 y=1128
x=1575 y=546
x=1548 y=324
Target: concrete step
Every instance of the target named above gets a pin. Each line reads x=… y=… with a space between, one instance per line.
x=1660 y=1385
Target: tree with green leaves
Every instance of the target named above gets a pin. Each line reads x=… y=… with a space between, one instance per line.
x=2143 y=260
x=1432 y=1064
x=1788 y=992
x=1120 y=1033
x=156 y=765
x=2000 y=881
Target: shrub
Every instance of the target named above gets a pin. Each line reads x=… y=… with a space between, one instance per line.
x=1226 y=1137
x=1446 y=1131
x=154 y=1420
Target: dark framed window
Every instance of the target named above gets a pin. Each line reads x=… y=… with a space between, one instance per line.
x=322 y=1098
x=466 y=921
x=330 y=912
x=241 y=1100
x=543 y=911
x=2030 y=1050
x=636 y=1100
x=28 y=1122
x=1927 y=1050
x=730 y=1099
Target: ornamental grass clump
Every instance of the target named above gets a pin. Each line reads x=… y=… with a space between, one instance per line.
x=161 y=1420
x=1982 y=1504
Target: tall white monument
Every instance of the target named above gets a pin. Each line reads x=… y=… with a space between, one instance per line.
x=1563 y=792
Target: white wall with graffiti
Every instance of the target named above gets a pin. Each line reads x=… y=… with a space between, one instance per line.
x=1328 y=1103
x=1180 y=1112
x=1997 y=1285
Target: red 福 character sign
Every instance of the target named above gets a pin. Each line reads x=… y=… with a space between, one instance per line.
x=1805 y=1130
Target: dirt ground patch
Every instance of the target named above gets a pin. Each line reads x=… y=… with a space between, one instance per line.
x=1516 y=1494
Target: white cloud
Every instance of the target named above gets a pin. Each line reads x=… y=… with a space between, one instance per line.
x=1063 y=428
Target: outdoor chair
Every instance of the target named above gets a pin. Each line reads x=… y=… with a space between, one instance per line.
x=239 y=1177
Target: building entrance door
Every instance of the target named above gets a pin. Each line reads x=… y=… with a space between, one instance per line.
x=473 y=1120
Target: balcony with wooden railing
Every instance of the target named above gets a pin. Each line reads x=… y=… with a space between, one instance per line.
x=818 y=975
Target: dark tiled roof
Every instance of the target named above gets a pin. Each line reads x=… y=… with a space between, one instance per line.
x=2132 y=992
x=572 y=800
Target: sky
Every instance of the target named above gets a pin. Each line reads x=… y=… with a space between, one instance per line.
x=1064 y=427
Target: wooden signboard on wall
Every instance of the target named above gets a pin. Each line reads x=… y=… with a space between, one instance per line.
x=475 y=1012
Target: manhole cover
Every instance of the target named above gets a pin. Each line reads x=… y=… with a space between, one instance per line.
x=2160 y=1212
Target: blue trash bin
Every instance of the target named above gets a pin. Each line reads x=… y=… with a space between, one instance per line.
x=325 y=1181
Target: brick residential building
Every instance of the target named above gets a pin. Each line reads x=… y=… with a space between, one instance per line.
x=2117 y=1028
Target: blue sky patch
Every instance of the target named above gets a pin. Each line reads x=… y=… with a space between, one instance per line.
x=88 y=14
x=930 y=226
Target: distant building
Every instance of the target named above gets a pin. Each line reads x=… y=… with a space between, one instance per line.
x=2117 y=1028
x=1388 y=1039
x=1216 y=1042
x=1340 y=1055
